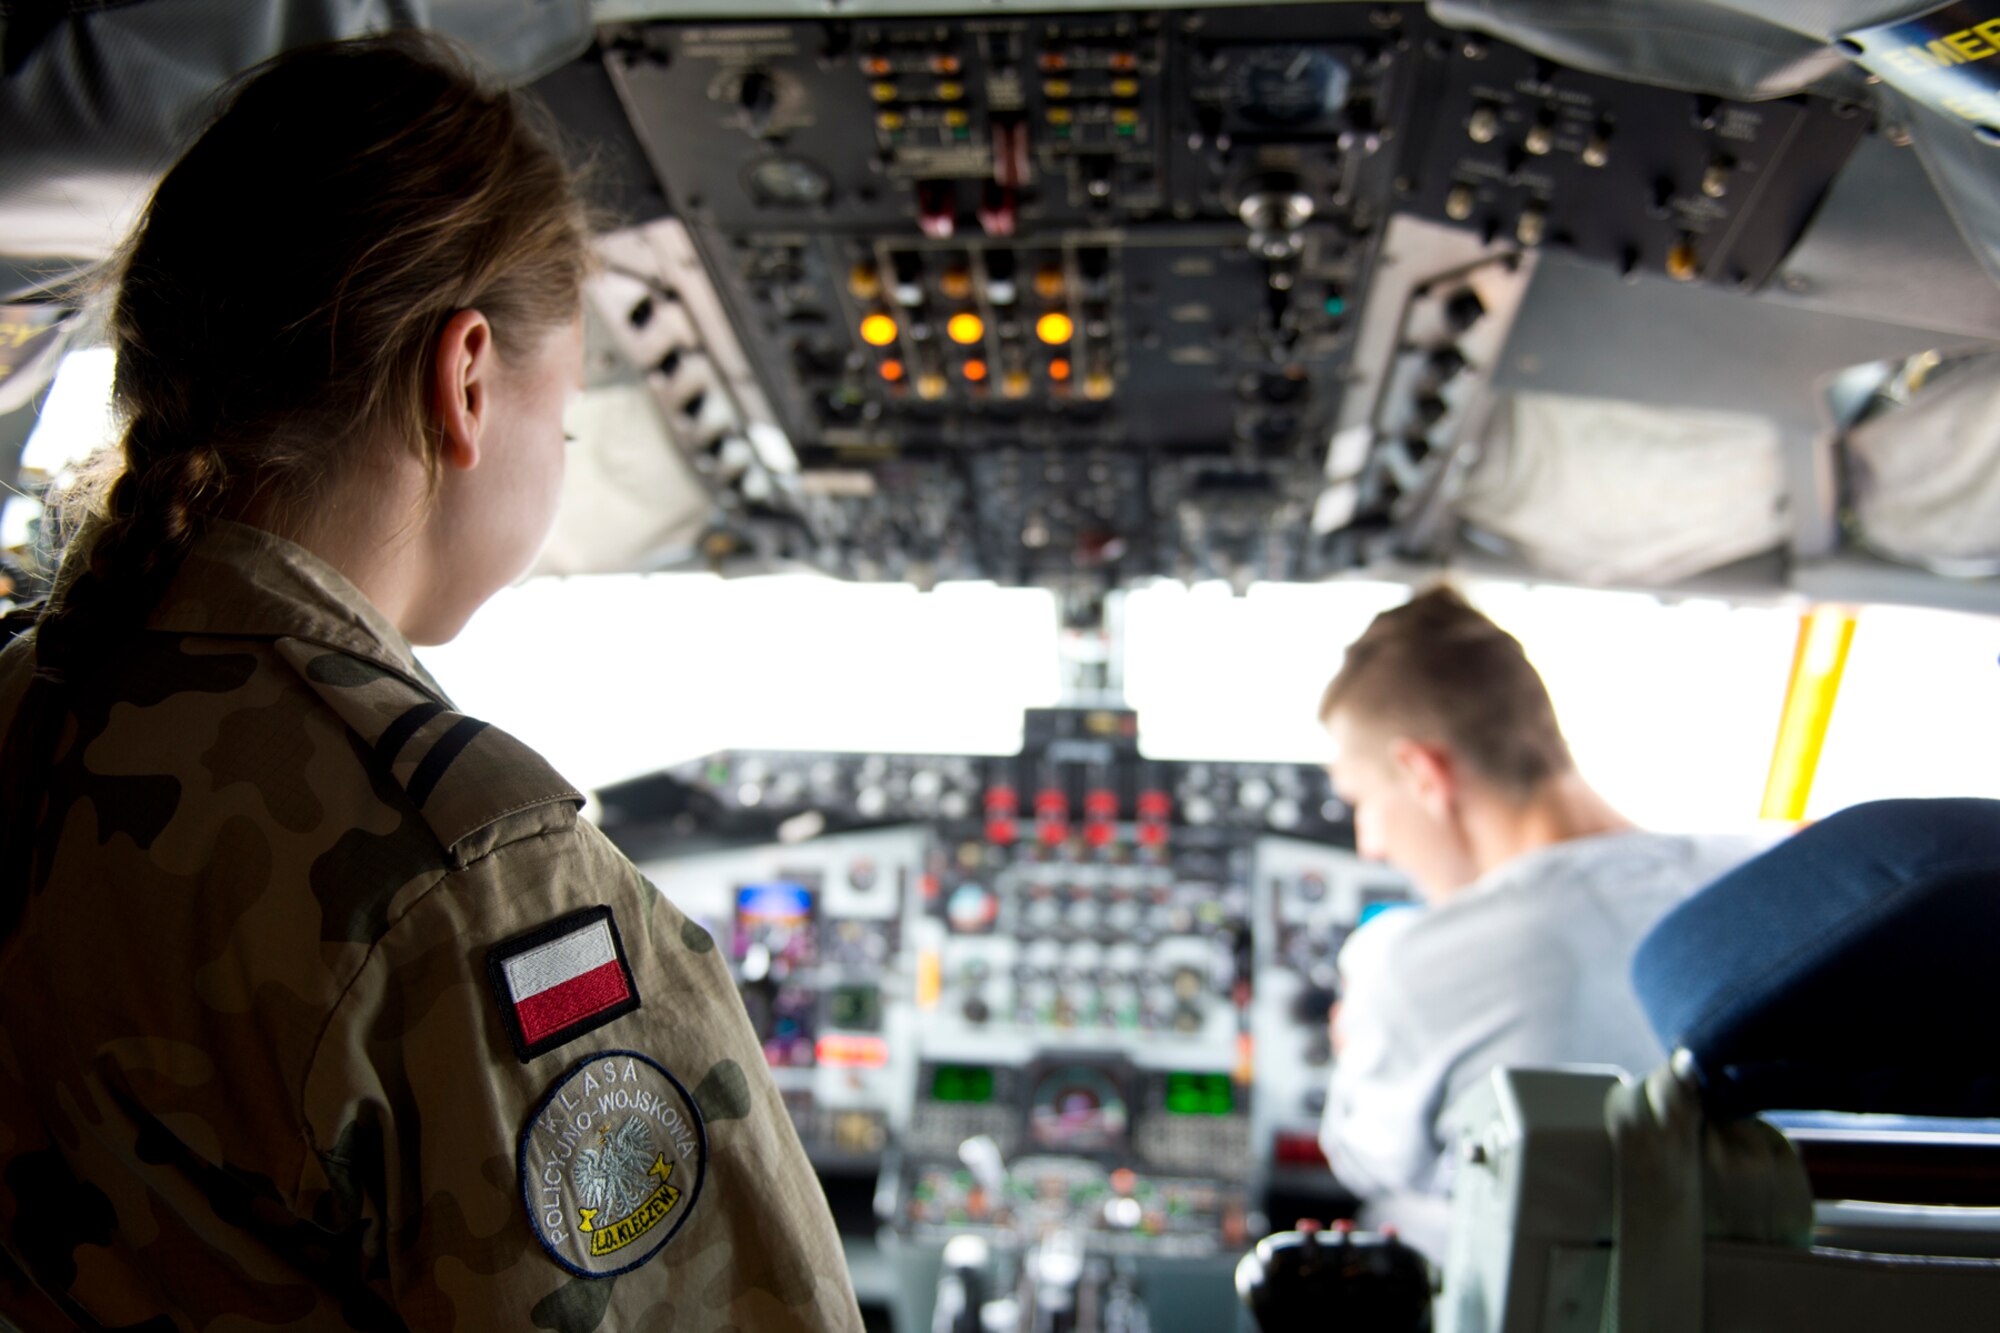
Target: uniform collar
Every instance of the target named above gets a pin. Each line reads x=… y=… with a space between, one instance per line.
x=243 y=582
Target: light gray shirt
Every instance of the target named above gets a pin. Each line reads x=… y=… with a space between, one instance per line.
x=1530 y=965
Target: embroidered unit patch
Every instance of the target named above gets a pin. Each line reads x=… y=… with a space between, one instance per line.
x=561 y=980
x=612 y=1163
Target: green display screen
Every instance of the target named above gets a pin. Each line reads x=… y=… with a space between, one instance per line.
x=962 y=1083
x=857 y=1008
x=1200 y=1094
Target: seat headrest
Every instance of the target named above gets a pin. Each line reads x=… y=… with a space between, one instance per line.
x=1853 y=967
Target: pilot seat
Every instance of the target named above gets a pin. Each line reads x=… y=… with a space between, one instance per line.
x=1849 y=970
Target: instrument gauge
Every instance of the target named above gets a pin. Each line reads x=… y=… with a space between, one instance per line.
x=1077 y=1109
x=1285 y=87
x=972 y=909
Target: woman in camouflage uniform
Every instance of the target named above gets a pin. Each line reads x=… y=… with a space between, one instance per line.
x=319 y=1005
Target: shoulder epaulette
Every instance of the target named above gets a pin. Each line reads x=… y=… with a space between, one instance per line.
x=463 y=775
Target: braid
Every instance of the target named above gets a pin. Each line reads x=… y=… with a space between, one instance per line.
x=154 y=512
x=151 y=517
x=157 y=509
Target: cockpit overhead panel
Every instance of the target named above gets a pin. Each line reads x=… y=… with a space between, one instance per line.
x=1081 y=297
x=1092 y=295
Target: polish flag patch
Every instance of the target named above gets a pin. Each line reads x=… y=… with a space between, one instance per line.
x=561 y=980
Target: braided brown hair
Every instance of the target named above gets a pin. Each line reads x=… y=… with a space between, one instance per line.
x=278 y=307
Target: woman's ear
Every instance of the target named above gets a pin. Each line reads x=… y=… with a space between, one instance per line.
x=462 y=387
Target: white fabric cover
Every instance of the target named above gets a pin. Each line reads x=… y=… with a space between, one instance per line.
x=1598 y=491
x=1925 y=478
x=629 y=500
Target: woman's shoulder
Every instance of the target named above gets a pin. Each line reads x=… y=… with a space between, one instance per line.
x=474 y=786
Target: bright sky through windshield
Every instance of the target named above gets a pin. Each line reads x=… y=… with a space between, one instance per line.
x=1671 y=708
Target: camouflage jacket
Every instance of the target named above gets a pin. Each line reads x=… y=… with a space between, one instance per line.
x=326 y=1010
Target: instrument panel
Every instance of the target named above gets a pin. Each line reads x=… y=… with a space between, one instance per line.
x=1071 y=986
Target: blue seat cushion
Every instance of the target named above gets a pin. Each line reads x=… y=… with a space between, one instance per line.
x=1853 y=967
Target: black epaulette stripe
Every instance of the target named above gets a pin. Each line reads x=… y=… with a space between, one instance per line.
x=449 y=745
x=399 y=732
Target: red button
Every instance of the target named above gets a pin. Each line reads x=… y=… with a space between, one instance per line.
x=1295 y=1149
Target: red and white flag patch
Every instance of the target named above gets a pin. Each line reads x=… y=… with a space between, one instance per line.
x=561 y=980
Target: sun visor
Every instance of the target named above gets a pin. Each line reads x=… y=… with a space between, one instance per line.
x=1924 y=478
x=1603 y=492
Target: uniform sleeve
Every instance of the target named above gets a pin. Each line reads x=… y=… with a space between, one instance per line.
x=418 y=1098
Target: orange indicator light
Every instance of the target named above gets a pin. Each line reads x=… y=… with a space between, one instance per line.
x=892 y=371
x=976 y=371
x=965 y=328
x=878 y=330
x=1059 y=370
x=1054 y=328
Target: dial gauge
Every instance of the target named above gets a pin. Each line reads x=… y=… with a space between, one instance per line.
x=1284 y=87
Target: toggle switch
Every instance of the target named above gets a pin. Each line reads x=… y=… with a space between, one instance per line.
x=936 y=209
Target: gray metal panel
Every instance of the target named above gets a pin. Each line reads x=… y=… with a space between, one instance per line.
x=1588 y=332
x=1752 y=1288
x=1855 y=577
x=1964 y=166
x=1883 y=246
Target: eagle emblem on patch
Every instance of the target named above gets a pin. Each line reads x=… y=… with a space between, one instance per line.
x=612 y=1163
